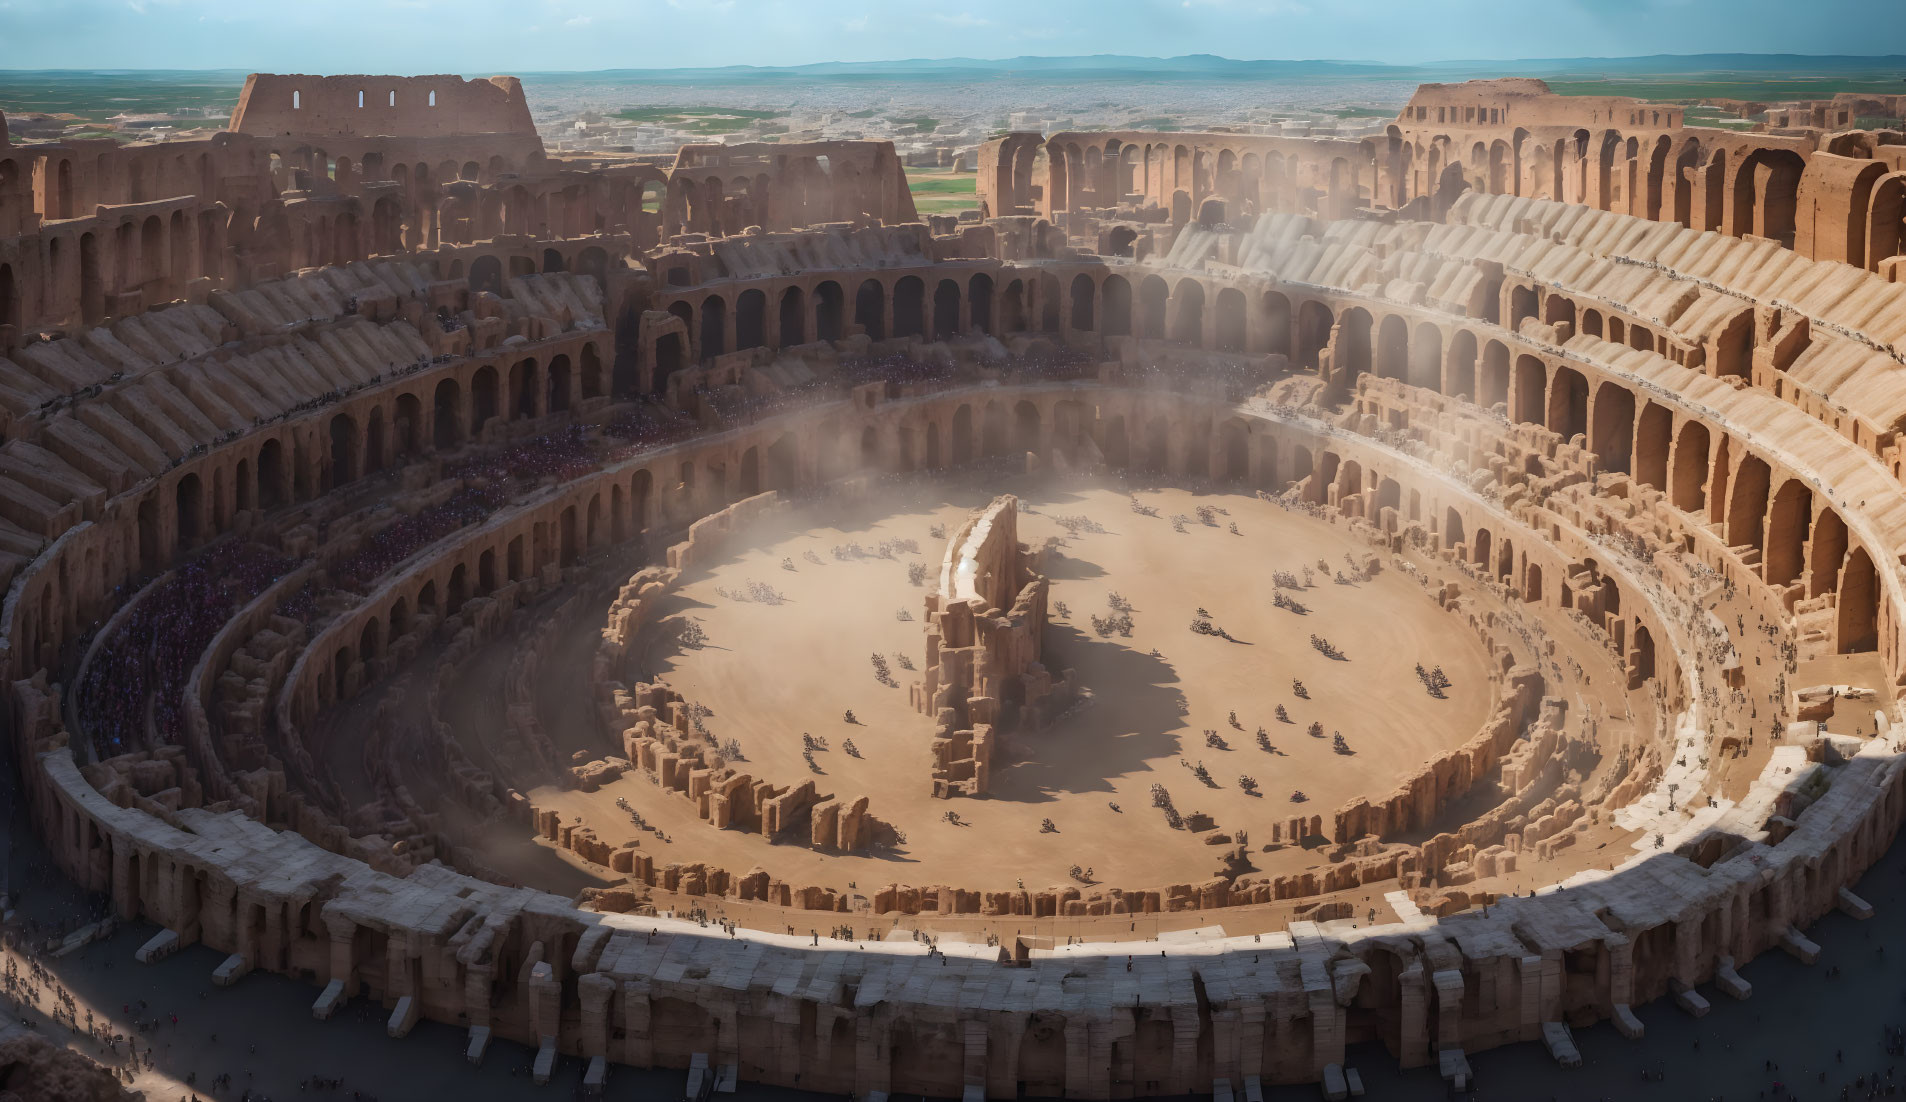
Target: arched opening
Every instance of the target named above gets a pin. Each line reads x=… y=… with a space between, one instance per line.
x=993 y=430
x=750 y=476
x=482 y=397
x=793 y=321
x=946 y=309
x=1453 y=529
x=1788 y=522
x=1152 y=294
x=1235 y=443
x=714 y=328
x=828 y=301
x=979 y=301
x=1026 y=427
x=870 y=309
x=486 y=274
x=447 y=415
x=1652 y=445
x=909 y=307
x=1531 y=385
x=1313 y=334
x=1230 y=319
x=1747 y=503
x=1117 y=294
x=1568 y=403
x=190 y=503
x=751 y=319
x=1083 y=294
x=1614 y=429
x=1858 y=619
x=1828 y=554
x=1690 y=468
x=1459 y=377
x=271 y=475
x=343 y=449
x=669 y=359
x=1012 y=308
x=1187 y=323
x=1393 y=348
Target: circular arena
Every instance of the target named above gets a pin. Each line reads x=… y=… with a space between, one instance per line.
x=1236 y=598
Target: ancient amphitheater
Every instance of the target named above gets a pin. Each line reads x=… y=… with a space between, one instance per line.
x=1318 y=591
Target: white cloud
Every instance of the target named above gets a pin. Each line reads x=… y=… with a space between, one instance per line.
x=702 y=5
x=855 y=25
x=963 y=19
x=138 y=6
x=578 y=21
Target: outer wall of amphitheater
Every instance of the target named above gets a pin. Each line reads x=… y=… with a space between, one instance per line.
x=1529 y=339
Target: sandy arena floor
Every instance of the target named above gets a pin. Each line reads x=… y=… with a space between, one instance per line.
x=772 y=671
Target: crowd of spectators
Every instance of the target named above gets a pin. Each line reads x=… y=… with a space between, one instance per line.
x=134 y=686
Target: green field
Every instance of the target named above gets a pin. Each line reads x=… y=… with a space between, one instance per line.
x=921 y=124
x=93 y=98
x=699 y=120
x=936 y=191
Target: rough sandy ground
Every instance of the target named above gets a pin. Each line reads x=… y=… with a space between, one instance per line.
x=773 y=671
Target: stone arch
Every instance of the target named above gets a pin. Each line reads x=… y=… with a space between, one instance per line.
x=1494 y=385
x=714 y=327
x=1152 y=297
x=1747 y=503
x=1274 y=324
x=483 y=397
x=1613 y=426
x=1084 y=292
x=751 y=319
x=946 y=309
x=1568 y=403
x=1788 y=520
x=447 y=419
x=1653 y=442
x=1230 y=320
x=1459 y=374
x=979 y=302
x=1826 y=553
x=1857 y=621
x=1691 y=467
x=1026 y=427
x=870 y=309
x=828 y=304
x=909 y=307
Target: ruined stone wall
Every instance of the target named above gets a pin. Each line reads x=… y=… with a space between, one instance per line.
x=985 y=628
x=317 y=107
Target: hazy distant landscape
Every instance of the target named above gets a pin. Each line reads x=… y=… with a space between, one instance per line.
x=937 y=112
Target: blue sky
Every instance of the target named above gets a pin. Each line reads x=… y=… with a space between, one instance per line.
x=494 y=36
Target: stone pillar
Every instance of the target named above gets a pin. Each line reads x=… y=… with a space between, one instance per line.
x=638 y=1046
x=872 y=1051
x=1413 y=1030
x=595 y=990
x=125 y=889
x=478 y=980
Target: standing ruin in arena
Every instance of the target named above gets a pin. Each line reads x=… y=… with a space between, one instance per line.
x=1496 y=518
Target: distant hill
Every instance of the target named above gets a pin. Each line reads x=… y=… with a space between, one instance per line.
x=1213 y=65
